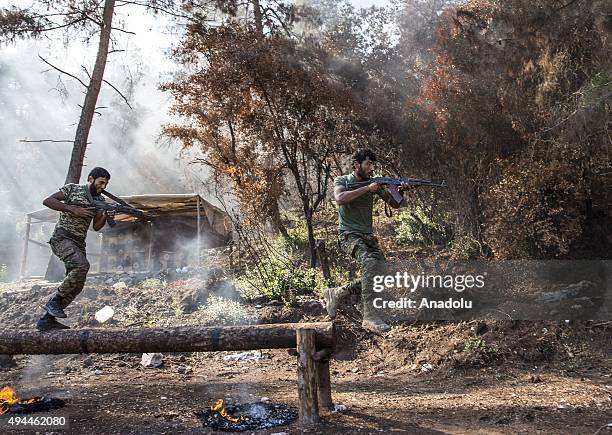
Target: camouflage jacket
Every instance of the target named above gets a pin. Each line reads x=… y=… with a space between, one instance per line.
x=69 y=225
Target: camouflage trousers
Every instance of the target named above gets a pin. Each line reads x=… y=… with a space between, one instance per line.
x=73 y=256
x=365 y=249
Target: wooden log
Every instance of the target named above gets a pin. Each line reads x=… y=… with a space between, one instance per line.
x=307 y=377
x=178 y=339
x=324 y=385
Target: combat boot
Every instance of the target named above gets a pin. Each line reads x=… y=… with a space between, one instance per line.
x=333 y=296
x=48 y=323
x=54 y=307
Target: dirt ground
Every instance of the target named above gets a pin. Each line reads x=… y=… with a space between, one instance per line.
x=467 y=377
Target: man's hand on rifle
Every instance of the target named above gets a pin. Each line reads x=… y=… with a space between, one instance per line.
x=83 y=212
x=374 y=187
x=403 y=187
x=110 y=214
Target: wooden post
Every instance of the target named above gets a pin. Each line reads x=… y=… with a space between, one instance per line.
x=307 y=377
x=101 y=247
x=24 y=256
x=324 y=385
x=150 y=246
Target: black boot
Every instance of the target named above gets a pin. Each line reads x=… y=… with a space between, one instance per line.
x=54 y=307
x=48 y=323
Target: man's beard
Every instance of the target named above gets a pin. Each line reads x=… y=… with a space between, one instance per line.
x=361 y=173
x=92 y=190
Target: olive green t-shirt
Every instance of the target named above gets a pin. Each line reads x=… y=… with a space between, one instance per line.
x=355 y=216
x=75 y=225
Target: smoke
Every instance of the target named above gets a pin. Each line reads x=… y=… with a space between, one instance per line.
x=38 y=103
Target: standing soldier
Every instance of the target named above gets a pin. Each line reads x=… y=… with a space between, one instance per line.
x=356 y=238
x=68 y=240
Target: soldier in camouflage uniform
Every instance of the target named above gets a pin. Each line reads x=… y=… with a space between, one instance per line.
x=68 y=240
x=356 y=238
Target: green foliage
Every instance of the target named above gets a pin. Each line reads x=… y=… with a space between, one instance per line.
x=221 y=311
x=417 y=226
x=478 y=345
x=597 y=88
x=297 y=231
x=282 y=274
x=153 y=283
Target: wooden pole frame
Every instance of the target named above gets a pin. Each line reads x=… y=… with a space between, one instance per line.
x=24 y=255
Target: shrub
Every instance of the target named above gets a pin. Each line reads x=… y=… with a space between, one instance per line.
x=478 y=345
x=221 y=311
x=535 y=211
x=153 y=283
x=418 y=226
x=282 y=274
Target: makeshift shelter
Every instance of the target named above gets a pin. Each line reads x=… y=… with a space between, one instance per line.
x=181 y=225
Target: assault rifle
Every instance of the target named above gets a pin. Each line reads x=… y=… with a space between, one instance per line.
x=393 y=184
x=120 y=206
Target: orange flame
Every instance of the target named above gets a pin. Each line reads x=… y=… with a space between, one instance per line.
x=8 y=397
x=223 y=412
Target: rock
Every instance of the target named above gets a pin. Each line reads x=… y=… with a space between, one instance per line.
x=152 y=360
x=36 y=288
x=7 y=362
x=120 y=286
x=426 y=368
x=251 y=355
x=104 y=314
x=98 y=372
x=339 y=407
x=88 y=361
x=109 y=281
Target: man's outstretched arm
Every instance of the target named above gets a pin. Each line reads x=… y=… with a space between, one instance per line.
x=54 y=202
x=344 y=196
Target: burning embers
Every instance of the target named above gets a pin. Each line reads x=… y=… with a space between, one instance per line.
x=223 y=412
x=10 y=403
x=250 y=416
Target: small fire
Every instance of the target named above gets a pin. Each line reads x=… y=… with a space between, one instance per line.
x=223 y=412
x=8 y=397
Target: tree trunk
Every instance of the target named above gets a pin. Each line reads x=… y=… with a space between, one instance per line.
x=178 y=339
x=91 y=98
x=312 y=244
x=257 y=15
x=278 y=222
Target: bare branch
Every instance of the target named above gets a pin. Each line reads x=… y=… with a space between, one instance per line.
x=46 y=140
x=119 y=92
x=62 y=71
x=86 y=72
x=123 y=30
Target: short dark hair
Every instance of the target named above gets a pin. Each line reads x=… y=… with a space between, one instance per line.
x=363 y=154
x=98 y=172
